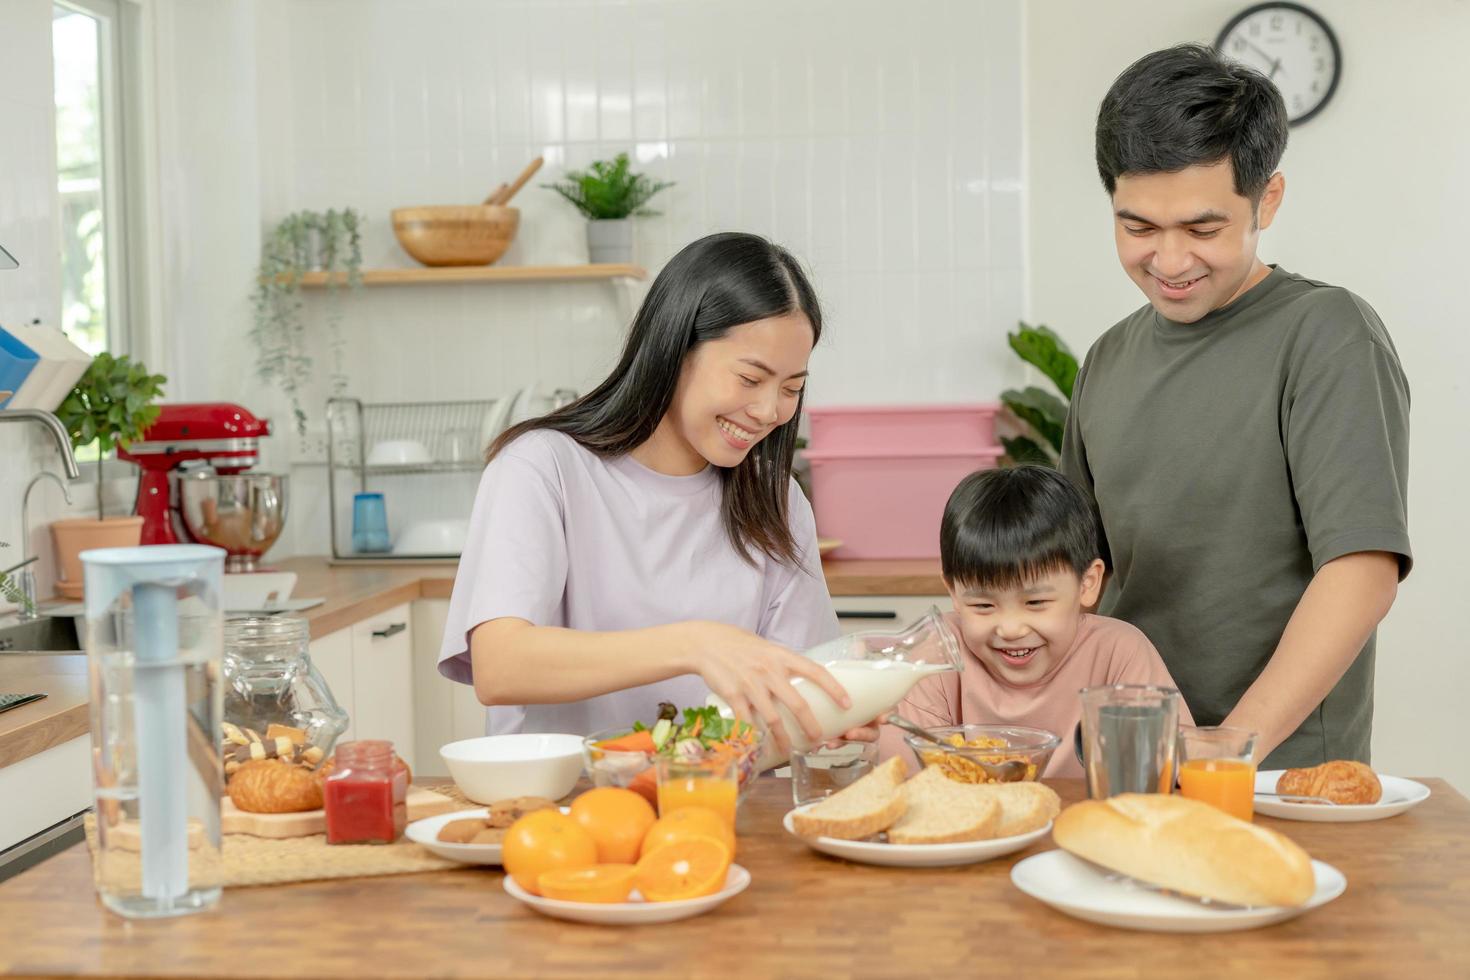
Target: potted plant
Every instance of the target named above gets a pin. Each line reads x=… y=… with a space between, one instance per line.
x=302 y=242
x=609 y=195
x=1041 y=413
x=111 y=405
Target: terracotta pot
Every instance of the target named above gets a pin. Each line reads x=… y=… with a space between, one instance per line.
x=78 y=534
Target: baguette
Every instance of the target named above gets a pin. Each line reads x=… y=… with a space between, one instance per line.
x=865 y=808
x=1187 y=846
x=942 y=811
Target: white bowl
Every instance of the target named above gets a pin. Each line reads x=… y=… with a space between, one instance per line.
x=499 y=767
x=399 y=452
x=433 y=538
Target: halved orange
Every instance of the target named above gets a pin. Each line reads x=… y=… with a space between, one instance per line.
x=686 y=822
x=688 y=868
x=599 y=883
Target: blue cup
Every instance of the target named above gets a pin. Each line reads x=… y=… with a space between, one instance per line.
x=369 y=524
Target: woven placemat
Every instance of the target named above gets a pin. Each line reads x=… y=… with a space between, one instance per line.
x=247 y=860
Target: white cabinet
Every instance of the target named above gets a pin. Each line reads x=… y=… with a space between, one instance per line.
x=332 y=656
x=884 y=612
x=444 y=710
x=382 y=679
x=369 y=667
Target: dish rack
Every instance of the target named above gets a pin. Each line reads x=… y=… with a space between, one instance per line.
x=434 y=489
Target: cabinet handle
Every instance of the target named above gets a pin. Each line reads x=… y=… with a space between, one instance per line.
x=867 y=614
x=393 y=630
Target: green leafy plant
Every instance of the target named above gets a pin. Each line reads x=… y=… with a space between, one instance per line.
x=607 y=190
x=1042 y=413
x=111 y=405
x=10 y=589
x=301 y=242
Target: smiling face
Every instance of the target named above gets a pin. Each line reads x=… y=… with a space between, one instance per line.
x=1189 y=240
x=733 y=392
x=1021 y=633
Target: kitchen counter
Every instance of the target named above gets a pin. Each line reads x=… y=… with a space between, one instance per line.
x=1403 y=914
x=57 y=718
x=355 y=592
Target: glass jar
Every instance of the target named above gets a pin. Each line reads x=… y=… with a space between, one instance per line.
x=276 y=704
x=366 y=796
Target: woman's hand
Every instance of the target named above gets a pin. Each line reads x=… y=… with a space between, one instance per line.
x=754 y=677
x=864 y=733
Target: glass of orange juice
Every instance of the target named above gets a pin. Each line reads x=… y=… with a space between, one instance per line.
x=712 y=782
x=1217 y=766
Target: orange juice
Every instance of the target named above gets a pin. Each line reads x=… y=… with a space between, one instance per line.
x=714 y=792
x=1229 y=784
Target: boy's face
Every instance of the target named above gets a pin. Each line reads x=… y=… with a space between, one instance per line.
x=1021 y=633
x=1188 y=240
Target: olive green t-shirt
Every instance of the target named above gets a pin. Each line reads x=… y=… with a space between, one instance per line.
x=1230 y=459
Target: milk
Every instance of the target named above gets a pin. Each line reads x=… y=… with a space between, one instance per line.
x=874 y=686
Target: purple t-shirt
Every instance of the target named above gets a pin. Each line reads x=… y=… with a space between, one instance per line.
x=560 y=536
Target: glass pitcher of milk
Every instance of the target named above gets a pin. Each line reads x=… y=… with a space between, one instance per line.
x=877 y=668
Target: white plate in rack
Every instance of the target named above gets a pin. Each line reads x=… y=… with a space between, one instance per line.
x=918 y=855
x=1085 y=891
x=1399 y=794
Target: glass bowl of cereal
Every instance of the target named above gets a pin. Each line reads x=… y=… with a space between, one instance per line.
x=987 y=753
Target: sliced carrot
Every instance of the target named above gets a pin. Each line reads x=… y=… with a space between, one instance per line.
x=632 y=742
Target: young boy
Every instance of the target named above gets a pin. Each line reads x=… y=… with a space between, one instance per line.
x=1019 y=551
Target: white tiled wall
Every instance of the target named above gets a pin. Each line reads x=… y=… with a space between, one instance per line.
x=882 y=147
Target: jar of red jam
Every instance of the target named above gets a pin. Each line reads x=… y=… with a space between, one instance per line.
x=366 y=796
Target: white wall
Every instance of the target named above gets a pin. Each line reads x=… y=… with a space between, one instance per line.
x=1376 y=200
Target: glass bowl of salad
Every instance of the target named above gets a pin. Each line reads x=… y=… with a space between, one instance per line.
x=624 y=756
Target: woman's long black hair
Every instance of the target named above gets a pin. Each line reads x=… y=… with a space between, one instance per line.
x=712 y=285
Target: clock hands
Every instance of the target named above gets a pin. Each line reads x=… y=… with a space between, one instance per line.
x=1275 y=63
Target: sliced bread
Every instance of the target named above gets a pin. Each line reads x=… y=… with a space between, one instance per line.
x=865 y=808
x=942 y=811
x=1024 y=807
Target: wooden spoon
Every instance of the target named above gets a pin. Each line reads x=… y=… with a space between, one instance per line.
x=502 y=197
x=494 y=194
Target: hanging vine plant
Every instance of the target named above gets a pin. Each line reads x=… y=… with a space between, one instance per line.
x=305 y=241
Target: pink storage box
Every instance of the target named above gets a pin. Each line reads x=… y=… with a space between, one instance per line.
x=903 y=428
x=888 y=505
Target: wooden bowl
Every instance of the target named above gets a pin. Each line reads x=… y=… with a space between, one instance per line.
x=455 y=234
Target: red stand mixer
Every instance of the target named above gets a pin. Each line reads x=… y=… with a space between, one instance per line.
x=193 y=485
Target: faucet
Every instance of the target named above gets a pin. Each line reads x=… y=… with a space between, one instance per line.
x=27 y=578
x=53 y=424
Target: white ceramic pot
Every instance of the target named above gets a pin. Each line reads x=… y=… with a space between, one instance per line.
x=610 y=241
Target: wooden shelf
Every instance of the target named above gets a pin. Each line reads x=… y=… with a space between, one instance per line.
x=485 y=273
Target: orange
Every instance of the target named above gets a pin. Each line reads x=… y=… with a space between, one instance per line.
x=689 y=821
x=617 y=819
x=547 y=840
x=690 y=868
x=599 y=883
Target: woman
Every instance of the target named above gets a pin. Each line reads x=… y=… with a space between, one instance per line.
x=647 y=543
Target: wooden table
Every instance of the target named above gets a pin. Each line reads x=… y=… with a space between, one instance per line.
x=1406 y=913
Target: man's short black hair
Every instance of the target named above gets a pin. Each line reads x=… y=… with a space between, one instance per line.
x=1002 y=528
x=1186 y=106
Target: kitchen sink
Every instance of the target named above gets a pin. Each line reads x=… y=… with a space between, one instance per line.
x=49 y=634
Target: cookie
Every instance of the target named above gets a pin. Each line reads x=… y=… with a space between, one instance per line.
x=461 y=831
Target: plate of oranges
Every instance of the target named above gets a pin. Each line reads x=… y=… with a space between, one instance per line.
x=611 y=859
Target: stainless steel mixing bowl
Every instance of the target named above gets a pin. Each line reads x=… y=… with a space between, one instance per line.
x=243 y=514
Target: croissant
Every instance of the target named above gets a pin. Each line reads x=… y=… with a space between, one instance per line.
x=1340 y=781
x=273 y=786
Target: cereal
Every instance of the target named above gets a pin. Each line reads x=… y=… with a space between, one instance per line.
x=968 y=768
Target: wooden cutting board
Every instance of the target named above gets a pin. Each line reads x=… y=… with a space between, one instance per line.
x=421 y=803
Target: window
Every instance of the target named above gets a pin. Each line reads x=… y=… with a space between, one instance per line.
x=89 y=179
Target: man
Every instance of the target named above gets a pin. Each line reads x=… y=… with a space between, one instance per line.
x=1245 y=435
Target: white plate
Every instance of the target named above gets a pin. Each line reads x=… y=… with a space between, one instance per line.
x=1398 y=795
x=636 y=912
x=1071 y=885
x=278 y=606
x=426 y=833
x=917 y=855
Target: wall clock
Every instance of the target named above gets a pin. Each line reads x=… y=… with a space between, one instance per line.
x=1292 y=46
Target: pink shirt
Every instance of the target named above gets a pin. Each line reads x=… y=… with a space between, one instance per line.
x=1106 y=651
x=560 y=536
